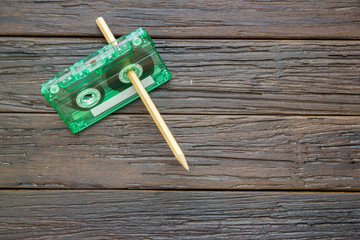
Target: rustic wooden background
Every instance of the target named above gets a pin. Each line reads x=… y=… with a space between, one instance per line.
x=264 y=101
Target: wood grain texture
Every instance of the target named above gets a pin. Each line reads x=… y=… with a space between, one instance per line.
x=223 y=152
x=262 y=77
x=266 y=125
x=178 y=215
x=185 y=19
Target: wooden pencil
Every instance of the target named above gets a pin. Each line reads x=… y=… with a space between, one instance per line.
x=149 y=104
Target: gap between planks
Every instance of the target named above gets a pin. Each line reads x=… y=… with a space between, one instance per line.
x=275 y=190
x=305 y=115
x=164 y=37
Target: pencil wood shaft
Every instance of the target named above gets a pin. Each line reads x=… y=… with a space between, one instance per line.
x=150 y=106
x=160 y=123
x=104 y=28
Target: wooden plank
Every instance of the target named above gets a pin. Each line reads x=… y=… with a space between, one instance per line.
x=185 y=19
x=223 y=152
x=178 y=215
x=264 y=77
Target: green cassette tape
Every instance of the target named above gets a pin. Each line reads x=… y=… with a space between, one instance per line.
x=96 y=86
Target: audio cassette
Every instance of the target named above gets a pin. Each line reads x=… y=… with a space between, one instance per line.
x=97 y=85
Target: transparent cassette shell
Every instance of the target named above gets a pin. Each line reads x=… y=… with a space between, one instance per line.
x=97 y=85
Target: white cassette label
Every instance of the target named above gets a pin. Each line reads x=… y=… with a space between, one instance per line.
x=120 y=97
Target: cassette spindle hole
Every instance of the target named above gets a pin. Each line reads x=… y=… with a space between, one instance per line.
x=88 y=98
x=136 y=67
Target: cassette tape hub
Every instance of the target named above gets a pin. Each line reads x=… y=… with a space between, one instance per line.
x=97 y=85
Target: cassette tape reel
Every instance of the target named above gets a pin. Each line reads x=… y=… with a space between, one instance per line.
x=97 y=85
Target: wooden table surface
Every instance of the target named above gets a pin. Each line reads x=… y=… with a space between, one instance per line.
x=264 y=101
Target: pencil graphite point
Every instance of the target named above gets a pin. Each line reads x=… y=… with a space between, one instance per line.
x=181 y=158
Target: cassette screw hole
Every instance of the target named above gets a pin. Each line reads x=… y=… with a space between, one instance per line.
x=54 y=89
x=136 y=42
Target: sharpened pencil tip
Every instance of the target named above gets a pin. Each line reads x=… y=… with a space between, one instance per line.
x=181 y=158
x=189 y=171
